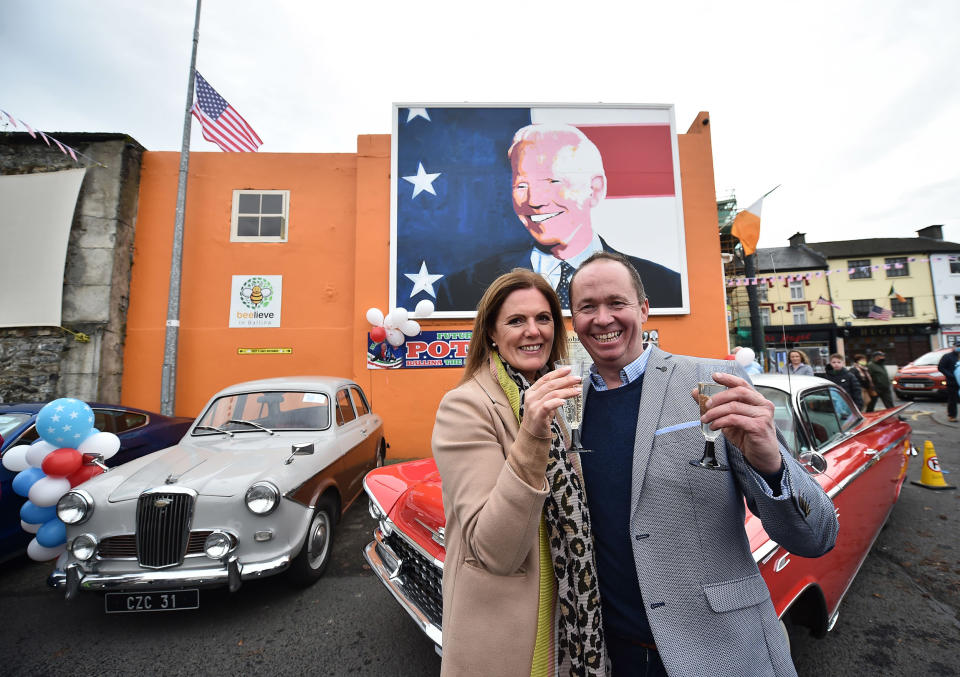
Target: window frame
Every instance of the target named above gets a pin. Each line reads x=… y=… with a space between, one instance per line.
x=763 y=292
x=866 y=315
x=235 y=214
x=908 y=305
x=857 y=274
x=336 y=400
x=793 y=313
x=357 y=394
x=765 y=317
x=798 y=287
x=894 y=272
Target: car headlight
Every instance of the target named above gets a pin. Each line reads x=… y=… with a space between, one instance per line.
x=83 y=546
x=262 y=498
x=217 y=545
x=75 y=507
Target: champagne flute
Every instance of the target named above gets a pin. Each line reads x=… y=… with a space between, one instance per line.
x=573 y=406
x=707 y=388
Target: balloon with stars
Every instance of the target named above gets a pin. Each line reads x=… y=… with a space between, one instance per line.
x=69 y=452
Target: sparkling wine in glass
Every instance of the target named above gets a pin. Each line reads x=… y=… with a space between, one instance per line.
x=706 y=389
x=573 y=407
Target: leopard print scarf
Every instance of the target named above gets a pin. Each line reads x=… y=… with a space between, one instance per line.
x=578 y=621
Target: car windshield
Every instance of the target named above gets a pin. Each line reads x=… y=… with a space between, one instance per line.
x=783 y=416
x=10 y=422
x=929 y=360
x=280 y=410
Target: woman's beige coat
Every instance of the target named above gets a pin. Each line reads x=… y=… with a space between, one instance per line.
x=491 y=572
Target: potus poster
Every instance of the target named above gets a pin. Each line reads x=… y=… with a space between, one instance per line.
x=478 y=190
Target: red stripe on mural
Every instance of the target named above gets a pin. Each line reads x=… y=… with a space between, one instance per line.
x=638 y=159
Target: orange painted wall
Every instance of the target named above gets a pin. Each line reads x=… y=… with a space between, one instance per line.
x=335 y=265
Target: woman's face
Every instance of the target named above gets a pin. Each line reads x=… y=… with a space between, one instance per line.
x=523 y=331
x=795 y=358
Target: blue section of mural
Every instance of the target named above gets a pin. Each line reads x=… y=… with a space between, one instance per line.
x=471 y=215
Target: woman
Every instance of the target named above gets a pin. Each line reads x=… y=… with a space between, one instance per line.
x=798 y=364
x=518 y=539
x=859 y=368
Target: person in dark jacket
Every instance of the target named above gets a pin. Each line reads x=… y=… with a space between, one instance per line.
x=947 y=365
x=844 y=378
x=881 y=380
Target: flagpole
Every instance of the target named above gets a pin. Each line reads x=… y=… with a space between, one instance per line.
x=168 y=379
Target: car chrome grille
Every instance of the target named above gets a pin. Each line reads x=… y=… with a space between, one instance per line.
x=920 y=381
x=163 y=528
x=125 y=546
x=421 y=577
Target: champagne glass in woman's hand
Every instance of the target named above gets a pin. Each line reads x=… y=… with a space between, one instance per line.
x=707 y=388
x=573 y=407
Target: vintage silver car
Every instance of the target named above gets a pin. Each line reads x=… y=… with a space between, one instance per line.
x=255 y=488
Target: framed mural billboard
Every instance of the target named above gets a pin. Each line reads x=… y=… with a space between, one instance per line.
x=480 y=189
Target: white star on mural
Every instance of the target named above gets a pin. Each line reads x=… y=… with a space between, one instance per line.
x=423 y=280
x=422 y=181
x=417 y=113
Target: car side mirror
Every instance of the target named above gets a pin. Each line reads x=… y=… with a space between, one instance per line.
x=813 y=462
x=303 y=449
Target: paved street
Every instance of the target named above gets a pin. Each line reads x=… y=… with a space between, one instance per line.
x=899 y=618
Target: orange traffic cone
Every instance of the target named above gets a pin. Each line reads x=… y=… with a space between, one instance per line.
x=931 y=476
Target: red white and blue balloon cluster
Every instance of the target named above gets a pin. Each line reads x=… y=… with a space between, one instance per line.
x=65 y=455
x=398 y=324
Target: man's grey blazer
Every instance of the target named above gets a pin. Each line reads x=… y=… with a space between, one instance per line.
x=708 y=606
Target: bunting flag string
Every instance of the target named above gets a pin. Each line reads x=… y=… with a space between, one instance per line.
x=64 y=148
x=773 y=279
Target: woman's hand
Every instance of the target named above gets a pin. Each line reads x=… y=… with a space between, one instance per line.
x=544 y=397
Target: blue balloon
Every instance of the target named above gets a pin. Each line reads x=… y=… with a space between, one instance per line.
x=52 y=533
x=65 y=422
x=25 y=479
x=34 y=514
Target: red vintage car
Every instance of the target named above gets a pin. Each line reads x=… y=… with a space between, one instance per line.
x=860 y=460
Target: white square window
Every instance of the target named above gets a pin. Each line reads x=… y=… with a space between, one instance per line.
x=259 y=216
x=796 y=290
x=799 y=314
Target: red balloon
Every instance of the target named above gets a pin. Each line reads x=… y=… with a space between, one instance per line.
x=83 y=474
x=61 y=462
x=378 y=334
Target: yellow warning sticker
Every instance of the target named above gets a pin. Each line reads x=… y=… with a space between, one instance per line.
x=264 y=351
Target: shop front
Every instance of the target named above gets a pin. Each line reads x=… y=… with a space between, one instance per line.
x=817 y=341
x=902 y=343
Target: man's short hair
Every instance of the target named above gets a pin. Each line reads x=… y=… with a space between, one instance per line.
x=622 y=260
x=839 y=357
x=581 y=159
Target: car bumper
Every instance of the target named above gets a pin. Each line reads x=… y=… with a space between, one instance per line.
x=74 y=577
x=385 y=564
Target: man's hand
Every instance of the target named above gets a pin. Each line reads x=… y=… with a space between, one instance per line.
x=745 y=417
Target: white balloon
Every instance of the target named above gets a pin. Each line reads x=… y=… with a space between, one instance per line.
x=745 y=356
x=396 y=318
x=37 y=452
x=39 y=553
x=375 y=317
x=424 y=308
x=15 y=458
x=30 y=528
x=105 y=444
x=395 y=337
x=46 y=491
x=410 y=328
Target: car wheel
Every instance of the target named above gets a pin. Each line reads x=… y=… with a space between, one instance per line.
x=314 y=556
x=381 y=455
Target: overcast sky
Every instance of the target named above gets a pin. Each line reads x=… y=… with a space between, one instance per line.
x=851 y=105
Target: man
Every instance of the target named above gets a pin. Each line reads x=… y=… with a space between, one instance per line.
x=681 y=592
x=946 y=366
x=558 y=178
x=881 y=381
x=844 y=378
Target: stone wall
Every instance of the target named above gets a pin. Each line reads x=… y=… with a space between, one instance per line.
x=41 y=363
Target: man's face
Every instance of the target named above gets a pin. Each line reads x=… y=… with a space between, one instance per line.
x=552 y=203
x=836 y=363
x=607 y=315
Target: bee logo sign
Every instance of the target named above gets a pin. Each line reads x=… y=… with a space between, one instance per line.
x=255 y=300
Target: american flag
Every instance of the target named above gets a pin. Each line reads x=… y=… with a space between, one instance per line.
x=221 y=123
x=878 y=313
x=826 y=302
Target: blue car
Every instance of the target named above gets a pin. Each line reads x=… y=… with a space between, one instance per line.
x=140 y=432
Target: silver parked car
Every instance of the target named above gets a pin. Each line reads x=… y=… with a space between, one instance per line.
x=254 y=489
